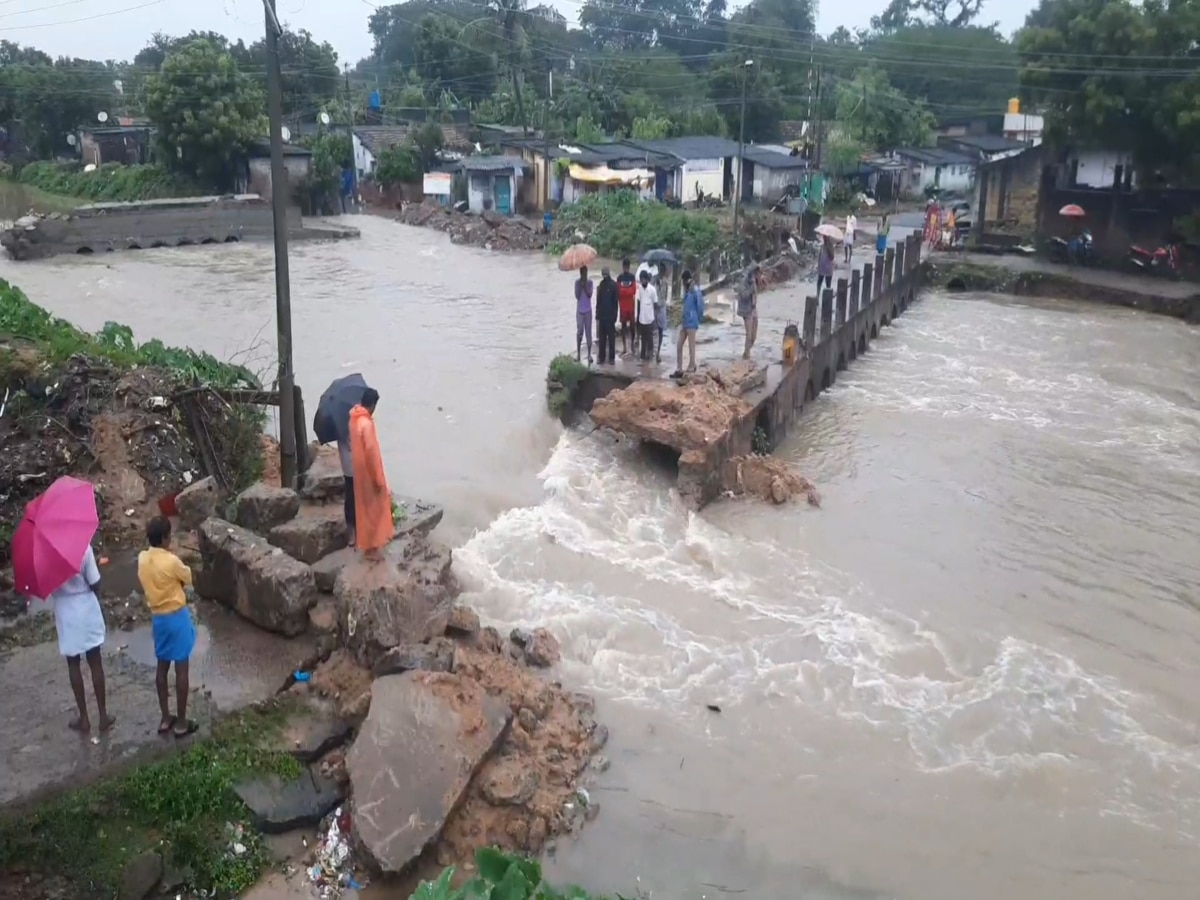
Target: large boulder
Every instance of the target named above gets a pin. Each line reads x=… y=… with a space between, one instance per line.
x=198 y=502
x=324 y=482
x=315 y=533
x=423 y=741
x=381 y=606
x=277 y=806
x=262 y=506
x=262 y=583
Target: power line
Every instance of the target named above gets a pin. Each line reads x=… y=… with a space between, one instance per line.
x=115 y=12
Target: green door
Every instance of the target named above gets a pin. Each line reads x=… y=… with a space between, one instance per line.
x=502 y=187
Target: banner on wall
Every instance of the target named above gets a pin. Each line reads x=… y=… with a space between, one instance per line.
x=437 y=183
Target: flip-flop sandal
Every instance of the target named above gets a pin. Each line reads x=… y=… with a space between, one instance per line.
x=192 y=728
x=167 y=725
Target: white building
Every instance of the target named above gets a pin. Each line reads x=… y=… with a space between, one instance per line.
x=1100 y=168
x=933 y=167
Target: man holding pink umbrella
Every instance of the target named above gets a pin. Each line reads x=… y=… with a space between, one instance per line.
x=53 y=560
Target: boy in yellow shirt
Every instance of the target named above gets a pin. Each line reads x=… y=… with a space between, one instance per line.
x=164 y=576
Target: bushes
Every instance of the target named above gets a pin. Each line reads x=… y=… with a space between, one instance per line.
x=499 y=876
x=562 y=379
x=620 y=224
x=109 y=182
x=58 y=340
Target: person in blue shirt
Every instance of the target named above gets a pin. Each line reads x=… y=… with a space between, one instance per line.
x=693 y=312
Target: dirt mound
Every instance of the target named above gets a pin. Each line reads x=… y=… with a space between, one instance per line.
x=490 y=230
x=129 y=432
x=767 y=478
x=689 y=417
x=528 y=791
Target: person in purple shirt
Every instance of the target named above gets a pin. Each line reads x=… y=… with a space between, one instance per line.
x=583 y=313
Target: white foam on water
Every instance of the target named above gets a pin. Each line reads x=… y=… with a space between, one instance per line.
x=654 y=605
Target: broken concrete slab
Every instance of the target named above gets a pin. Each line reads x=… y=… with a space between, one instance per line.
x=313 y=534
x=381 y=606
x=416 y=516
x=277 y=806
x=141 y=876
x=263 y=506
x=198 y=502
x=435 y=656
x=408 y=550
x=422 y=742
x=324 y=481
x=262 y=583
x=311 y=733
x=463 y=622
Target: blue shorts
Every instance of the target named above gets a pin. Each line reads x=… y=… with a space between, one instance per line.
x=174 y=636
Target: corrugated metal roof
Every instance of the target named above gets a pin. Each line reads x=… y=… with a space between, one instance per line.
x=934 y=156
x=378 y=138
x=771 y=159
x=493 y=163
x=987 y=143
x=695 y=147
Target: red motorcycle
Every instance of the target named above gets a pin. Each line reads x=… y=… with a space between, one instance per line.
x=1163 y=261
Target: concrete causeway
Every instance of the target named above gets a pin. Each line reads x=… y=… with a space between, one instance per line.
x=835 y=329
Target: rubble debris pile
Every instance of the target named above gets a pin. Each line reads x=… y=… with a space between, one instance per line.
x=767 y=478
x=489 y=230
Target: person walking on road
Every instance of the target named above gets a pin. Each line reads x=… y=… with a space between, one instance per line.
x=583 y=313
x=851 y=230
x=825 y=264
x=607 y=306
x=372 y=499
x=693 y=312
x=627 y=289
x=747 y=306
x=881 y=236
x=647 y=299
x=164 y=578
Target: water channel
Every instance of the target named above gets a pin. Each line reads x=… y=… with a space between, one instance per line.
x=970 y=674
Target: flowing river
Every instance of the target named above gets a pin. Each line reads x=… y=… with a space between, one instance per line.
x=972 y=673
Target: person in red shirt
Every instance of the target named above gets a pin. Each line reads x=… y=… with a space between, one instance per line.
x=626 y=294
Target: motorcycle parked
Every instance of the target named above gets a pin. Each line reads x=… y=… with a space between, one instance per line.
x=1161 y=261
x=1078 y=250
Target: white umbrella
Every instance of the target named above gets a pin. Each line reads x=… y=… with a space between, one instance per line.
x=831 y=231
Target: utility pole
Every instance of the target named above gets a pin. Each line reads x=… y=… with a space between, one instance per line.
x=350 y=137
x=817 y=137
x=737 y=197
x=286 y=378
x=546 y=135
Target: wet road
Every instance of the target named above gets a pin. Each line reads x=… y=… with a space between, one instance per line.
x=970 y=673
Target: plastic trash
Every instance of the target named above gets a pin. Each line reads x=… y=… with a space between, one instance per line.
x=301 y=676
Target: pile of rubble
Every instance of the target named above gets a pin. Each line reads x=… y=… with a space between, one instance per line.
x=489 y=230
x=424 y=734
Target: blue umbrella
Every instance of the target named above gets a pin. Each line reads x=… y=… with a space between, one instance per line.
x=332 y=419
x=659 y=256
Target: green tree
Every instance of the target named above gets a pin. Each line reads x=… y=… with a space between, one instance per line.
x=206 y=111
x=878 y=116
x=398 y=165
x=1111 y=74
x=310 y=77
x=906 y=13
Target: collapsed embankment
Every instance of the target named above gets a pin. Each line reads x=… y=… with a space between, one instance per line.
x=489 y=230
x=130 y=419
x=1024 y=279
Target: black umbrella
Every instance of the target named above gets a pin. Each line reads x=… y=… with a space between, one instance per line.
x=659 y=256
x=332 y=419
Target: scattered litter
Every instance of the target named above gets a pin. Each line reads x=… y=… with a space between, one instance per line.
x=302 y=676
x=332 y=868
x=712 y=707
x=187 y=477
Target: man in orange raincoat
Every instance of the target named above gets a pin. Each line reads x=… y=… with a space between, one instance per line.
x=372 y=499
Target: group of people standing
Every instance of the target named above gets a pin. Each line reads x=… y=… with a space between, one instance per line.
x=635 y=306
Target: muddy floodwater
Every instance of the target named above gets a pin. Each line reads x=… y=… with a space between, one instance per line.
x=971 y=673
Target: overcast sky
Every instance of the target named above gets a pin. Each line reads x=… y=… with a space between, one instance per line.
x=117 y=29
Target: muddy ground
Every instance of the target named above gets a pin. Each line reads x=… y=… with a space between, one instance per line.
x=128 y=431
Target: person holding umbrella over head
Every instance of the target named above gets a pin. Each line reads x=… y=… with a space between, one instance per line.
x=53 y=560
x=332 y=423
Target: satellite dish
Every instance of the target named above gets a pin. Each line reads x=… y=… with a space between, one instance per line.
x=71 y=139
x=119 y=86
x=285 y=133
x=102 y=116
x=324 y=117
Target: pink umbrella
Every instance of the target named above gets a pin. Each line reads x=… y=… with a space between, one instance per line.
x=52 y=537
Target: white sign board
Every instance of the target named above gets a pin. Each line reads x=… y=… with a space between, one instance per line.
x=437 y=183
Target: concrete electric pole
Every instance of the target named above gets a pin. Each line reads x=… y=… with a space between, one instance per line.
x=737 y=196
x=286 y=379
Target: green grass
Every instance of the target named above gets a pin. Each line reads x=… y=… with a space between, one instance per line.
x=182 y=807
x=500 y=876
x=562 y=380
x=17 y=200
